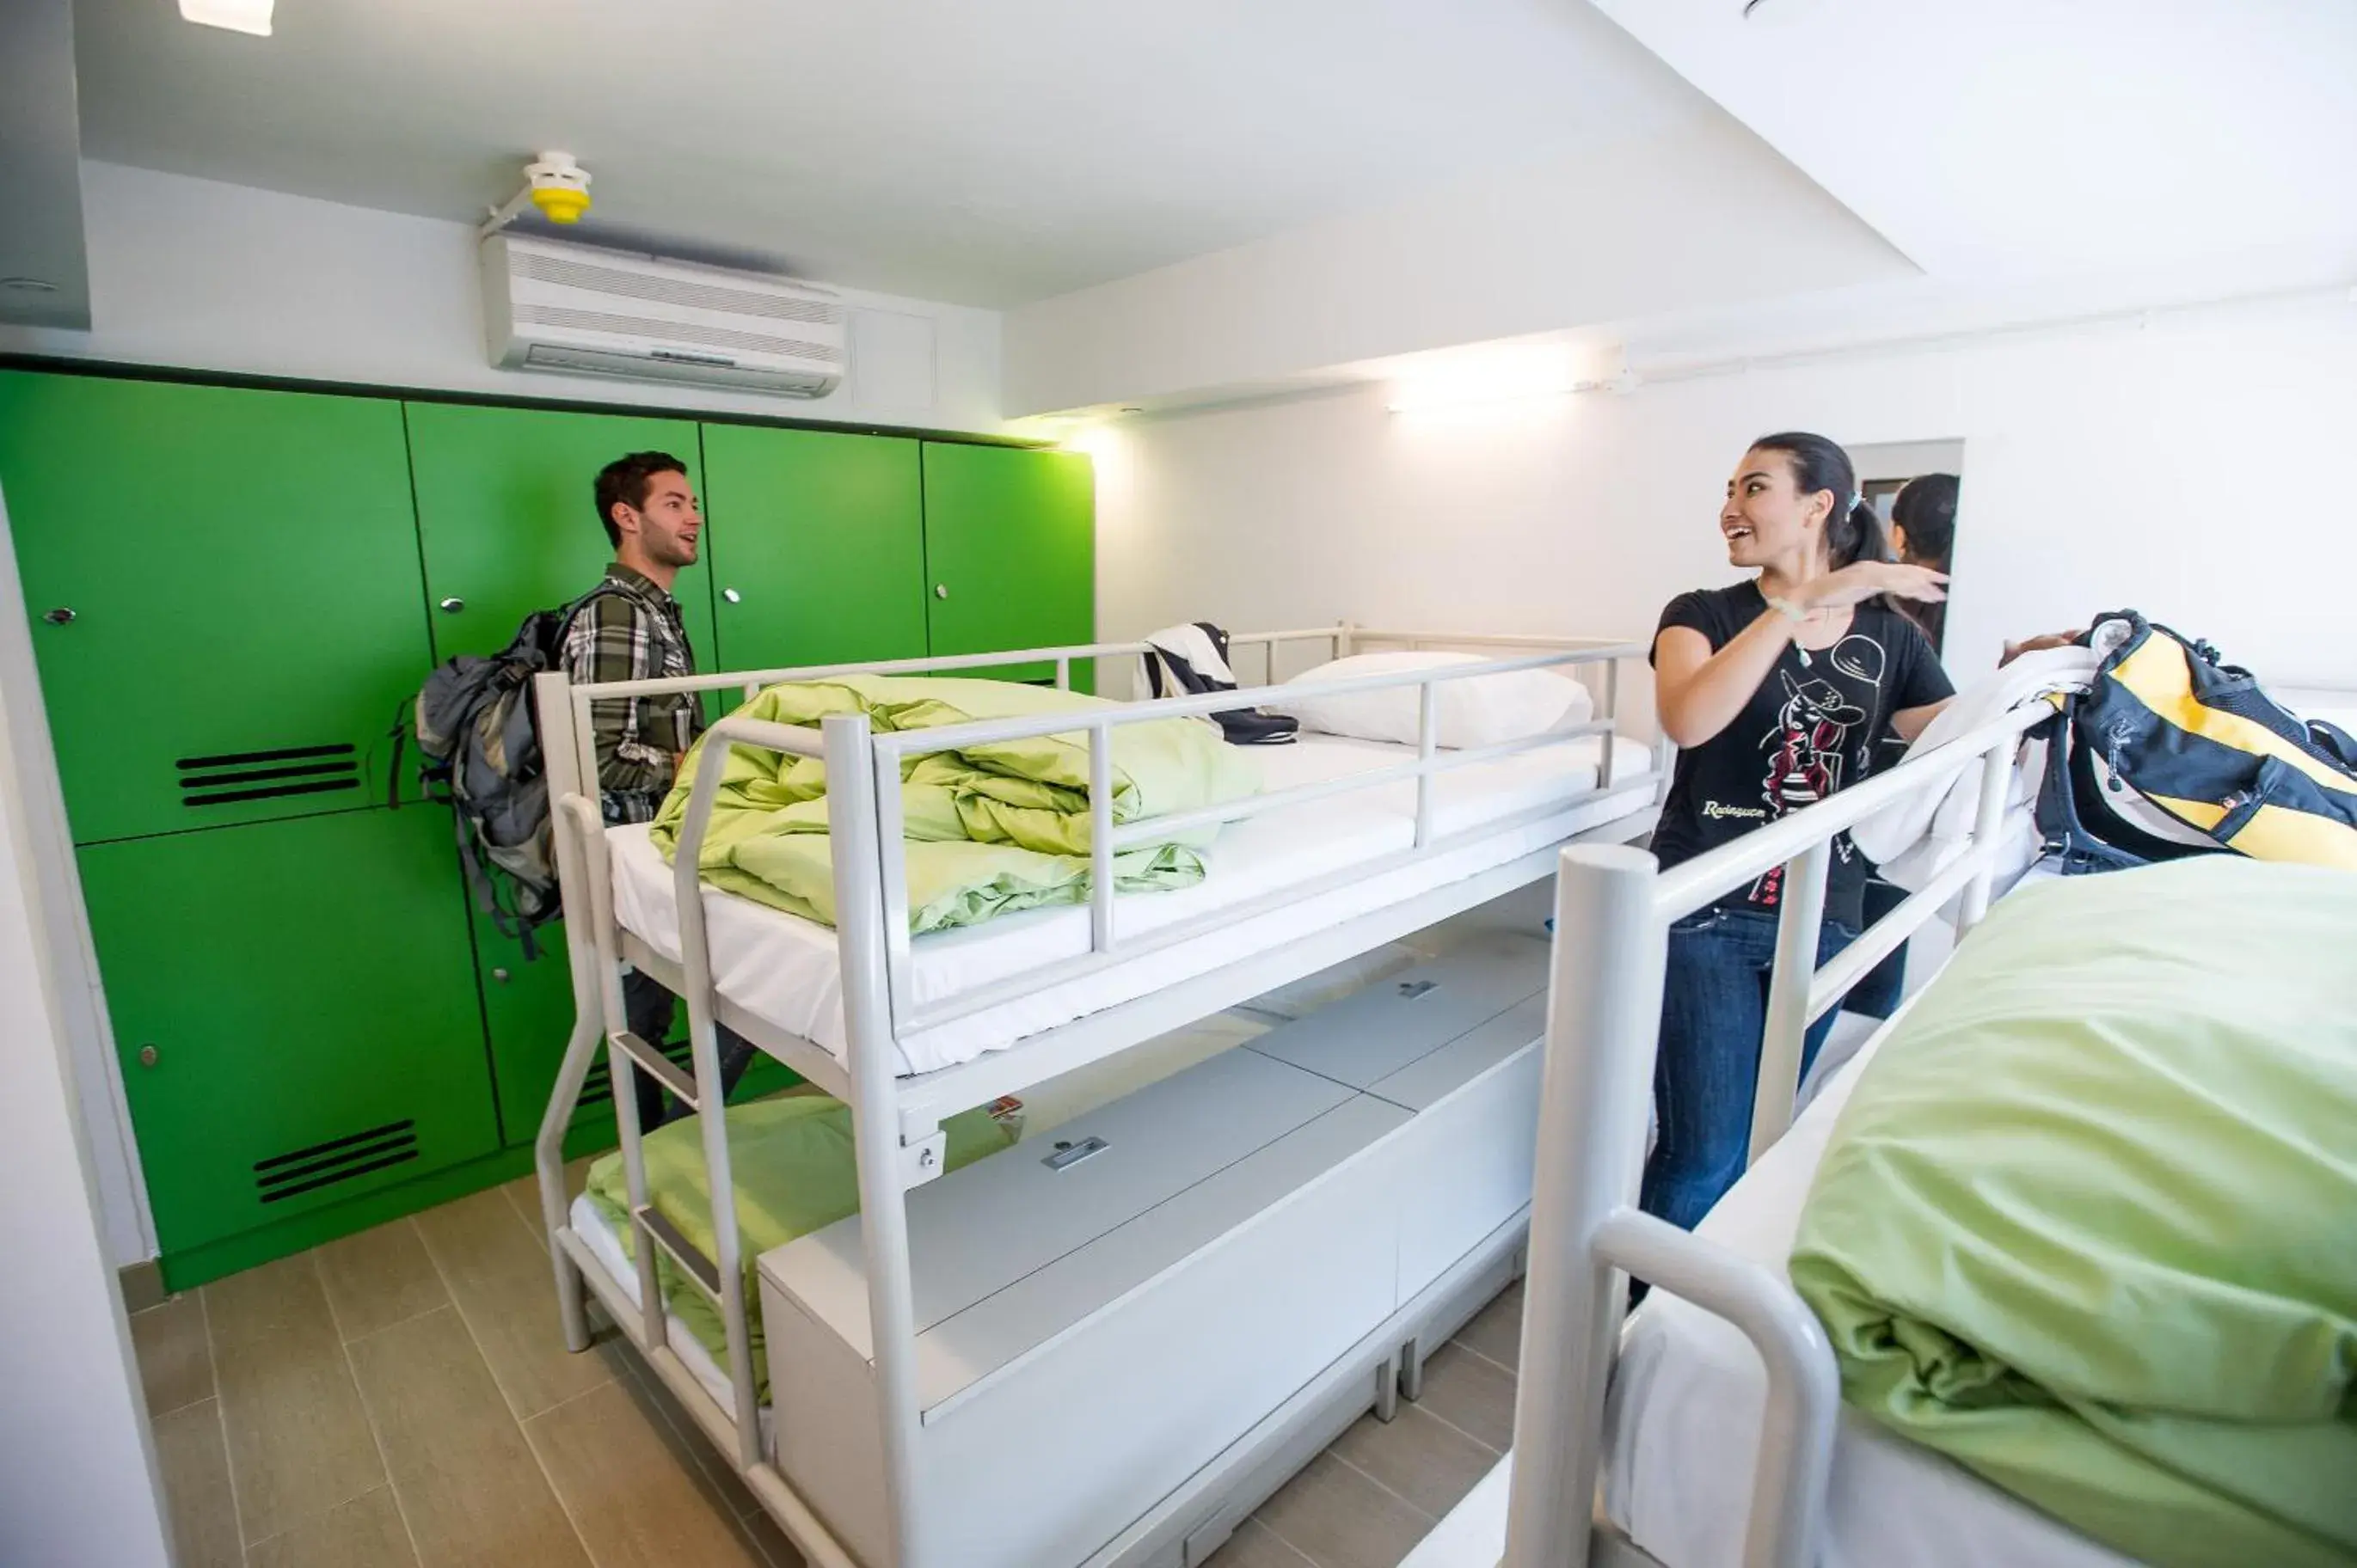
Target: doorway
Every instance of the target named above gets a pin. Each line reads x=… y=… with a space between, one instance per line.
x=1884 y=470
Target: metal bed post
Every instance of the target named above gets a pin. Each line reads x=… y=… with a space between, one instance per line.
x=1427 y=742
x=1988 y=824
x=580 y=1048
x=859 y=901
x=1100 y=840
x=1784 y=1042
x=1604 y=1011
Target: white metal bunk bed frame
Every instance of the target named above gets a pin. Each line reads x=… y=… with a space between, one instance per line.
x=1613 y=910
x=897 y=1119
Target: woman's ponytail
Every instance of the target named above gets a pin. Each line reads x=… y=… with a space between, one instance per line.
x=1859 y=537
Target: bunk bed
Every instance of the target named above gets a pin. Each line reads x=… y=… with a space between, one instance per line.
x=1707 y=1428
x=1351 y=845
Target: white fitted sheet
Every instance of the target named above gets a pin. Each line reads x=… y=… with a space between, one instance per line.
x=784 y=970
x=1682 y=1426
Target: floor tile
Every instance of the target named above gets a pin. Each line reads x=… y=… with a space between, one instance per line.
x=379 y=1278
x=366 y=1532
x=1496 y=1330
x=1418 y=1456
x=500 y=1276
x=1254 y=1545
x=717 y=1471
x=1471 y=1394
x=298 y=1443
x=197 y=1495
x=1339 y=1518
x=629 y=1489
x=176 y=1369
x=770 y=1536
x=466 y=1478
x=524 y=1193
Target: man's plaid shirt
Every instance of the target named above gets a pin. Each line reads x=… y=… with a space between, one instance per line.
x=634 y=634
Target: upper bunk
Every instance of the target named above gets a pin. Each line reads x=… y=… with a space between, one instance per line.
x=1350 y=842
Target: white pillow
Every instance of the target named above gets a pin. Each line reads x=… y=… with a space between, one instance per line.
x=1475 y=710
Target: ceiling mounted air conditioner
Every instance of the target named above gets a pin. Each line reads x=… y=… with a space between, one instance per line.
x=577 y=310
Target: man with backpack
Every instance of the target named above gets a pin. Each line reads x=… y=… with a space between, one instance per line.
x=628 y=628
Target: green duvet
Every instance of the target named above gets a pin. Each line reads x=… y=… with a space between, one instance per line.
x=791 y=1159
x=2088 y=1224
x=988 y=830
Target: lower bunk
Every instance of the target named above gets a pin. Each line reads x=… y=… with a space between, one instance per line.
x=1135 y=1325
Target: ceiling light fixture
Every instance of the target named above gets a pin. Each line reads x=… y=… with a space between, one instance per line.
x=237 y=15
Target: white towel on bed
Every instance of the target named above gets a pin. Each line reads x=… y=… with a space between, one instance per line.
x=1915 y=839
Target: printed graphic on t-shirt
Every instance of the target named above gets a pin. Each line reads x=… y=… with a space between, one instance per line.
x=1810 y=749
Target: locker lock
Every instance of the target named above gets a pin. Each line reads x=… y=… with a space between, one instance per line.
x=501 y=975
x=941 y=590
x=147 y=1055
x=58 y=616
x=732 y=596
x=453 y=604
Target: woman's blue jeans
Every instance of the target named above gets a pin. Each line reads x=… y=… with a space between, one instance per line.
x=1713 y=1014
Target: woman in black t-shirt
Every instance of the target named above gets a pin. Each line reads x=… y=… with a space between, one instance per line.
x=1779 y=692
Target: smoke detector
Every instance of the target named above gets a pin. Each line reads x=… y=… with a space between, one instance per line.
x=552 y=183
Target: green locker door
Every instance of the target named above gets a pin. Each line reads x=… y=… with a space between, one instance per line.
x=259 y=542
x=507 y=520
x=294 y=1009
x=820 y=554
x=1010 y=545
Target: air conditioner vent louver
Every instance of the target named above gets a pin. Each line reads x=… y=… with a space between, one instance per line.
x=574 y=310
x=589 y=277
x=233 y=776
x=674 y=332
x=299 y=1171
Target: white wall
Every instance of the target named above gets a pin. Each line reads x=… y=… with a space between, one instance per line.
x=77 y=1473
x=198 y=273
x=2179 y=468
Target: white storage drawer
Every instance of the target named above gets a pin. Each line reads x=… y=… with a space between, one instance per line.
x=1378 y=1033
x=1091 y=1336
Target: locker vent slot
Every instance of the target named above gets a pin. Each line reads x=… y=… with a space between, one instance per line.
x=339 y=1159
x=233 y=776
x=597 y=1085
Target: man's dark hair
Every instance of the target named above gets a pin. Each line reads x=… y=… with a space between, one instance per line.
x=624 y=479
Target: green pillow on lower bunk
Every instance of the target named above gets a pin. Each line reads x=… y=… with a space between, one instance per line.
x=795 y=1172
x=2088 y=1224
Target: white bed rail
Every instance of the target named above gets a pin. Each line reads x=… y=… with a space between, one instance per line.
x=1613 y=910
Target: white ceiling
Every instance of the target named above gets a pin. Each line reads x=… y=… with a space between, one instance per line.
x=985 y=154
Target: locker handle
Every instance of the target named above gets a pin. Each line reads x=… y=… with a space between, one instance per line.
x=58 y=616
x=501 y=975
x=453 y=604
x=941 y=590
x=732 y=596
x=148 y=1055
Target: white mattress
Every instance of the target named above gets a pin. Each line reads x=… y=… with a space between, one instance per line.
x=783 y=970
x=1683 y=1423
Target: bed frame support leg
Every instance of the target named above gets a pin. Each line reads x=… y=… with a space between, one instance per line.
x=1603 y=1017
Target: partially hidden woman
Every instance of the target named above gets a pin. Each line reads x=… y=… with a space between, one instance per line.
x=1779 y=692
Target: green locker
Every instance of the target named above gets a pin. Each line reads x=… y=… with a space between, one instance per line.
x=294 y=1010
x=507 y=518
x=1010 y=545
x=820 y=553
x=224 y=591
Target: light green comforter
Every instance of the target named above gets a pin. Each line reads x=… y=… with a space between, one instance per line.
x=989 y=829
x=792 y=1161
x=2088 y=1223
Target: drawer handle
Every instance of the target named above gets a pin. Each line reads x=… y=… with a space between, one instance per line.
x=1069 y=1155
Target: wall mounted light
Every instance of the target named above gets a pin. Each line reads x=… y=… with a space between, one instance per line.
x=237 y=15
x=1517 y=373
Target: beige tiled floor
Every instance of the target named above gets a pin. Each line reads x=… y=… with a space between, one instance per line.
x=403 y=1398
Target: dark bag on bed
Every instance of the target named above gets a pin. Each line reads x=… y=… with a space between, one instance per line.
x=1193 y=659
x=2172 y=752
x=481 y=739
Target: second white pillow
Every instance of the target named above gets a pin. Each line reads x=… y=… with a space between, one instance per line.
x=1474 y=711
